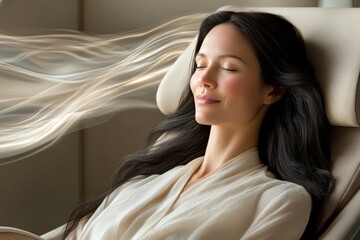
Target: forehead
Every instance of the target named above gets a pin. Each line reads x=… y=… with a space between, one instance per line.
x=226 y=38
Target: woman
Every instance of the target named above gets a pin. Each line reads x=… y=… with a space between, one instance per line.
x=245 y=156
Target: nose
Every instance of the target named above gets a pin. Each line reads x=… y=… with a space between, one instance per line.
x=207 y=79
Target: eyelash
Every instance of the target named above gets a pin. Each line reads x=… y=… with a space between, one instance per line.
x=230 y=70
x=227 y=69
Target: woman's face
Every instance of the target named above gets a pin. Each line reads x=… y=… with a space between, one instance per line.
x=227 y=84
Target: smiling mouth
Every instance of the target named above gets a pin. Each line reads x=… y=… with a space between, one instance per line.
x=206 y=100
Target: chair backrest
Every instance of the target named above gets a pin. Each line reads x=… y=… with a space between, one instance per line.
x=332 y=38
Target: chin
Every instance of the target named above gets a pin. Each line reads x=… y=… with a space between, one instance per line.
x=205 y=121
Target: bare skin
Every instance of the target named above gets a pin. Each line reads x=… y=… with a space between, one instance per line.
x=230 y=96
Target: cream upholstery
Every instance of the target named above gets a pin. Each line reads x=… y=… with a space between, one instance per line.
x=332 y=38
x=8 y=233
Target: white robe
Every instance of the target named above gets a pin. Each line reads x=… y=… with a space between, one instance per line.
x=239 y=200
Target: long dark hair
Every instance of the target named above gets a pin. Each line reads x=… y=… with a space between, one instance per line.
x=293 y=139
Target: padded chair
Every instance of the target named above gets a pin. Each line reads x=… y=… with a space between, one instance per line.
x=332 y=39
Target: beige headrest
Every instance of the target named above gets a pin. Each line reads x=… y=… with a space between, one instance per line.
x=332 y=38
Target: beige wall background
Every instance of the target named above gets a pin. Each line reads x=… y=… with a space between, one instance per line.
x=110 y=16
x=37 y=194
x=26 y=16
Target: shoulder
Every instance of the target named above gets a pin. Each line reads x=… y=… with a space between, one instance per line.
x=283 y=209
x=282 y=190
x=287 y=196
x=292 y=194
x=286 y=189
x=279 y=192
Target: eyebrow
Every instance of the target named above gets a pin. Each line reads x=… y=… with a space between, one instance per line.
x=222 y=56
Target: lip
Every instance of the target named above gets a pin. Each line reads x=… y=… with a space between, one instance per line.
x=202 y=99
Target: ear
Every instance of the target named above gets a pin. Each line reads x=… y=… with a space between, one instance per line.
x=272 y=93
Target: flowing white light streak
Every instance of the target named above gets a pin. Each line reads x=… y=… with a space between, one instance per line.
x=48 y=83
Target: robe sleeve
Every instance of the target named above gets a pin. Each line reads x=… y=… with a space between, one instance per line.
x=285 y=216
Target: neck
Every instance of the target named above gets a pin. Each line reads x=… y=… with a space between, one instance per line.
x=225 y=143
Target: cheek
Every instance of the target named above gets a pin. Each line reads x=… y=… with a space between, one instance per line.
x=237 y=85
x=234 y=86
x=193 y=84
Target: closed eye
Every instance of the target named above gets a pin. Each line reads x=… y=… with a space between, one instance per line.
x=226 y=69
x=200 y=67
x=230 y=70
